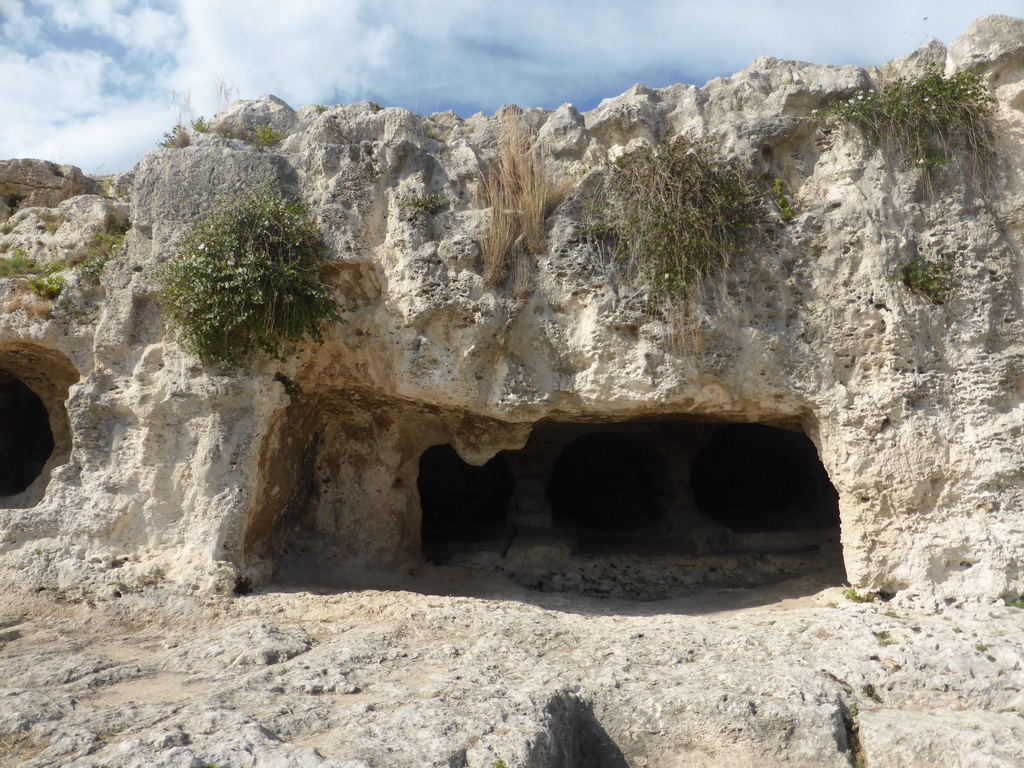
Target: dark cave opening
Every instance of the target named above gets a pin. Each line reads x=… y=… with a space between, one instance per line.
x=756 y=478
x=26 y=441
x=644 y=508
x=461 y=502
x=605 y=481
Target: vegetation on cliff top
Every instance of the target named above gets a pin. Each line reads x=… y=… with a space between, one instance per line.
x=927 y=119
x=521 y=193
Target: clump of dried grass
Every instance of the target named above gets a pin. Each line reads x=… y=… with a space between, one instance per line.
x=521 y=193
x=34 y=307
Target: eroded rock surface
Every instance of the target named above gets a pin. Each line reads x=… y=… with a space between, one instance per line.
x=771 y=676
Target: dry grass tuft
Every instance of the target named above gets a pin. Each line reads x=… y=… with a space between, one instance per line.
x=519 y=190
x=35 y=307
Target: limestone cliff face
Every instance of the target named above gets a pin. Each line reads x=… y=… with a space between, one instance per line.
x=915 y=409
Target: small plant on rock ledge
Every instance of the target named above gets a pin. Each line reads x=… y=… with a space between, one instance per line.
x=854 y=596
x=176 y=138
x=782 y=200
x=90 y=260
x=932 y=280
x=47 y=287
x=432 y=203
x=245 y=279
x=264 y=136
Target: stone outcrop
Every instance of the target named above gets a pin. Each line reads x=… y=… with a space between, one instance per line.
x=40 y=183
x=314 y=466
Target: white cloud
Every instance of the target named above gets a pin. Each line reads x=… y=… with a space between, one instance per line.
x=133 y=25
x=16 y=24
x=52 y=87
x=109 y=66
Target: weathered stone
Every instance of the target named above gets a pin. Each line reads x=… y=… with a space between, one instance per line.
x=40 y=183
x=242 y=118
x=992 y=44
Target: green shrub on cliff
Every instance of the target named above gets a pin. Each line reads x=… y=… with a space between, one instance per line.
x=245 y=279
x=926 y=119
x=679 y=212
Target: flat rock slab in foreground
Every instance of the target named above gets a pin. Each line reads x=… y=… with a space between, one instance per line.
x=397 y=679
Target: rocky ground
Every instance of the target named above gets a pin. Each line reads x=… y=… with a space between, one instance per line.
x=448 y=669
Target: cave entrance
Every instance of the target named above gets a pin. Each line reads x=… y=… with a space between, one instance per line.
x=461 y=502
x=753 y=478
x=643 y=509
x=607 y=482
x=26 y=441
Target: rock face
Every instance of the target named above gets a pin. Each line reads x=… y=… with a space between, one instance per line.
x=816 y=415
x=31 y=183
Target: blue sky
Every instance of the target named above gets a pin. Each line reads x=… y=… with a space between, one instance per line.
x=95 y=83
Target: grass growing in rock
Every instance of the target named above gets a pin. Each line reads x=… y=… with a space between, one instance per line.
x=432 y=203
x=679 y=213
x=521 y=193
x=245 y=279
x=930 y=279
x=51 y=221
x=90 y=260
x=45 y=282
x=928 y=119
x=857 y=597
x=17 y=264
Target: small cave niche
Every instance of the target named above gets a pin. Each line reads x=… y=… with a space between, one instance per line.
x=26 y=440
x=753 y=478
x=577 y=738
x=35 y=433
x=461 y=502
x=606 y=482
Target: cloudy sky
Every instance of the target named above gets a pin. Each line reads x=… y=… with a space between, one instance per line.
x=96 y=83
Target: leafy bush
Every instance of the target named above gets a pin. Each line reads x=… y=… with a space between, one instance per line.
x=926 y=119
x=245 y=279
x=48 y=287
x=432 y=203
x=264 y=136
x=679 y=213
x=931 y=279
